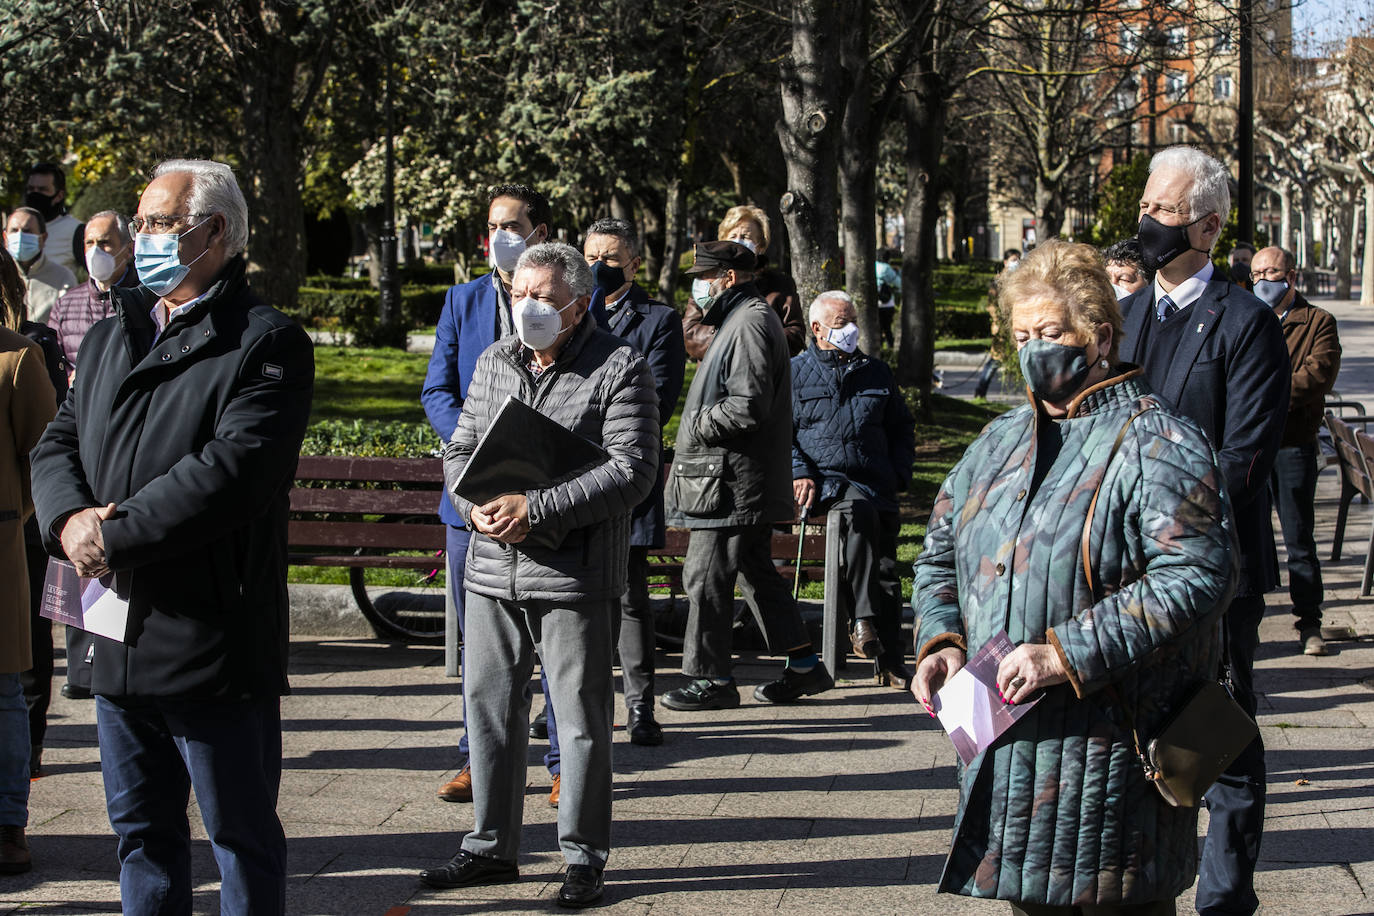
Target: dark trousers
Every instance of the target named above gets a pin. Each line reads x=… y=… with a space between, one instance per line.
x=1226 y=874
x=1294 y=485
x=885 y=318
x=872 y=588
x=152 y=753
x=635 y=633
x=985 y=377
x=715 y=557
x=37 y=681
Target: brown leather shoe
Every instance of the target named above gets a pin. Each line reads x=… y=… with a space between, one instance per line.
x=865 y=639
x=553 y=792
x=15 y=857
x=459 y=788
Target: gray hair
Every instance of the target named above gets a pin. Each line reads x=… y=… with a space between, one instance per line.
x=815 y=313
x=621 y=229
x=30 y=211
x=566 y=258
x=214 y=190
x=120 y=223
x=1209 y=189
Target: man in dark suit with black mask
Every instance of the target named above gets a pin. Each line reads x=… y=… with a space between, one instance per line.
x=1217 y=353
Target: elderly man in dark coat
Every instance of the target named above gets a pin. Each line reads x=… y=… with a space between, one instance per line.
x=652 y=328
x=730 y=483
x=168 y=468
x=853 y=444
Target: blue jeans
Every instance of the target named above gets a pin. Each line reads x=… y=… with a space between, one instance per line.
x=1294 y=485
x=456 y=549
x=14 y=752
x=152 y=752
x=1226 y=874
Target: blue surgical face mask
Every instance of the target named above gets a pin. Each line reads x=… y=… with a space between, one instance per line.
x=157 y=258
x=701 y=293
x=24 y=246
x=1271 y=291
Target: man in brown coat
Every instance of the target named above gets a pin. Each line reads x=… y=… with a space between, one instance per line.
x=27 y=403
x=1314 y=349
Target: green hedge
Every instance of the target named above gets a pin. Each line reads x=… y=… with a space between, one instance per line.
x=371 y=439
x=355 y=310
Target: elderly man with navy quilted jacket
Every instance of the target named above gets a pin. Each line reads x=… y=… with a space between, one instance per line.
x=853 y=441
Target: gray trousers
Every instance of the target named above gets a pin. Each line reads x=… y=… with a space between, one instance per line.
x=635 y=638
x=715 y=557
x=574 y=643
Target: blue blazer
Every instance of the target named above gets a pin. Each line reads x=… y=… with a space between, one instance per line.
x=655 y=330
x=1230 y=374
x=467 y=326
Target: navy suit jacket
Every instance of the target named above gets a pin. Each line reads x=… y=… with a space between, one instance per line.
x=655 y=330
x=467 y=326
x=1230 y=374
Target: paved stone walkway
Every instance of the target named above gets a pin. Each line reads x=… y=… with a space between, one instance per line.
x=840 y=805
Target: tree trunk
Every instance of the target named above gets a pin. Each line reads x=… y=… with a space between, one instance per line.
x=1285 y=240
x=858 y=173
x=1305 y=259
x=1049 y=211
x=651 y=232
x=675 y=233
x=272 y=173
x=1341 y=241
x=1367 y=274
x=807 y=135
x=924 y=109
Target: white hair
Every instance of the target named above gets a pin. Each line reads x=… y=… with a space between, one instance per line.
x=121 y=224
x=213 y=190
x=1209 y=189
x=568 y=259
x=817 y=310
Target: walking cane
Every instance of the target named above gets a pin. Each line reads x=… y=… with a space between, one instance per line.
x=801 y=542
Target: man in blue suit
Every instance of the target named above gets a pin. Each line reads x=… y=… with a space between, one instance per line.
x=1217 y=353
x=477 y=314
x=654 y=329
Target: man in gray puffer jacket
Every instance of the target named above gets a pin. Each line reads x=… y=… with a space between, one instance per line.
x=525 y=596
x=731 y=480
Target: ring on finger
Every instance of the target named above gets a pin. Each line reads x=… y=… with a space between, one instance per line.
x=1017 y=683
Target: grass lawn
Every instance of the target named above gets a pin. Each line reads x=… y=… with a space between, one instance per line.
x=368 y=384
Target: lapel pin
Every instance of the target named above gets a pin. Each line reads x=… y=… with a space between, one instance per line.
x=1199 y=327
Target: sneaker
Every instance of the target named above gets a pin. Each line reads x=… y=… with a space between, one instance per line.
x=794 y=685
x=703 y=693
x=1312 y=642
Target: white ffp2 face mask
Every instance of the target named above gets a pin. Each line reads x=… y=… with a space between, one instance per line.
x=538 y=323
x=100 y=264
x=845 y=338
x=506 y=248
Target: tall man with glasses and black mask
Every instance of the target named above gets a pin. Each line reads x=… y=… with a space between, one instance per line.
x=168 y=470
x=1216 y=352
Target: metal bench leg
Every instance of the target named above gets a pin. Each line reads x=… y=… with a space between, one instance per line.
x=1368 y=584
x=1342 y=510
x=832 y=624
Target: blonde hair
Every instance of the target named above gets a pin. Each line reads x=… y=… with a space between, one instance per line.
x=1075 y=275
x=743 y=214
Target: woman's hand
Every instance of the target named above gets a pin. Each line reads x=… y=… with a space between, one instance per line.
x=934 y=670
x=1027 y=669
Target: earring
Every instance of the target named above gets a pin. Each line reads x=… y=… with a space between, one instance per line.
x=1105 y=364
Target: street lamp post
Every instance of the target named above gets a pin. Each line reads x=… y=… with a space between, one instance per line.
x=1245 y=117
x=389 y=278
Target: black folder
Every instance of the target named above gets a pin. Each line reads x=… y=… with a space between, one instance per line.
x=523 y=450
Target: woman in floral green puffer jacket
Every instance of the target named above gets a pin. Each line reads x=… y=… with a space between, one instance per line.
x=1058 y=813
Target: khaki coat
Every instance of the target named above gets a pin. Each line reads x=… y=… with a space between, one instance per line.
x=27 y=403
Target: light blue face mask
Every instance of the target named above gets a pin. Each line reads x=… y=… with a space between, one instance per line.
x=24 y=246
x=157 y=258
x=701 y=293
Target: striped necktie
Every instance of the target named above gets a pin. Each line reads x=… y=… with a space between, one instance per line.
x=1167 y=308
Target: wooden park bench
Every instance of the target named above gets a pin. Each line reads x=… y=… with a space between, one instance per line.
x=377 y=518
x=1355 y=460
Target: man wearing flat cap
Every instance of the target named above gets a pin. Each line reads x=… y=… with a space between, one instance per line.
x=730 y=482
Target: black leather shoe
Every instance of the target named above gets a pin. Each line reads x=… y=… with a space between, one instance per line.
x=582 y=886
x=468 y=870
x=539 y=728
x=643 y=728
x=794 y=685
x=73 y=692
x=702 y=693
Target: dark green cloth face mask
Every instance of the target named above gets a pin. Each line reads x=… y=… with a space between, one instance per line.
x=1054 y=371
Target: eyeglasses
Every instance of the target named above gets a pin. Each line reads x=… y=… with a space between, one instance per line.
x=161 y=225
x=1271 y=273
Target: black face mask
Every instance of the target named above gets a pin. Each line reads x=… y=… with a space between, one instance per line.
x=608 y=279
x=1240 y=274
x=1160 y=244
x=43 y=203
